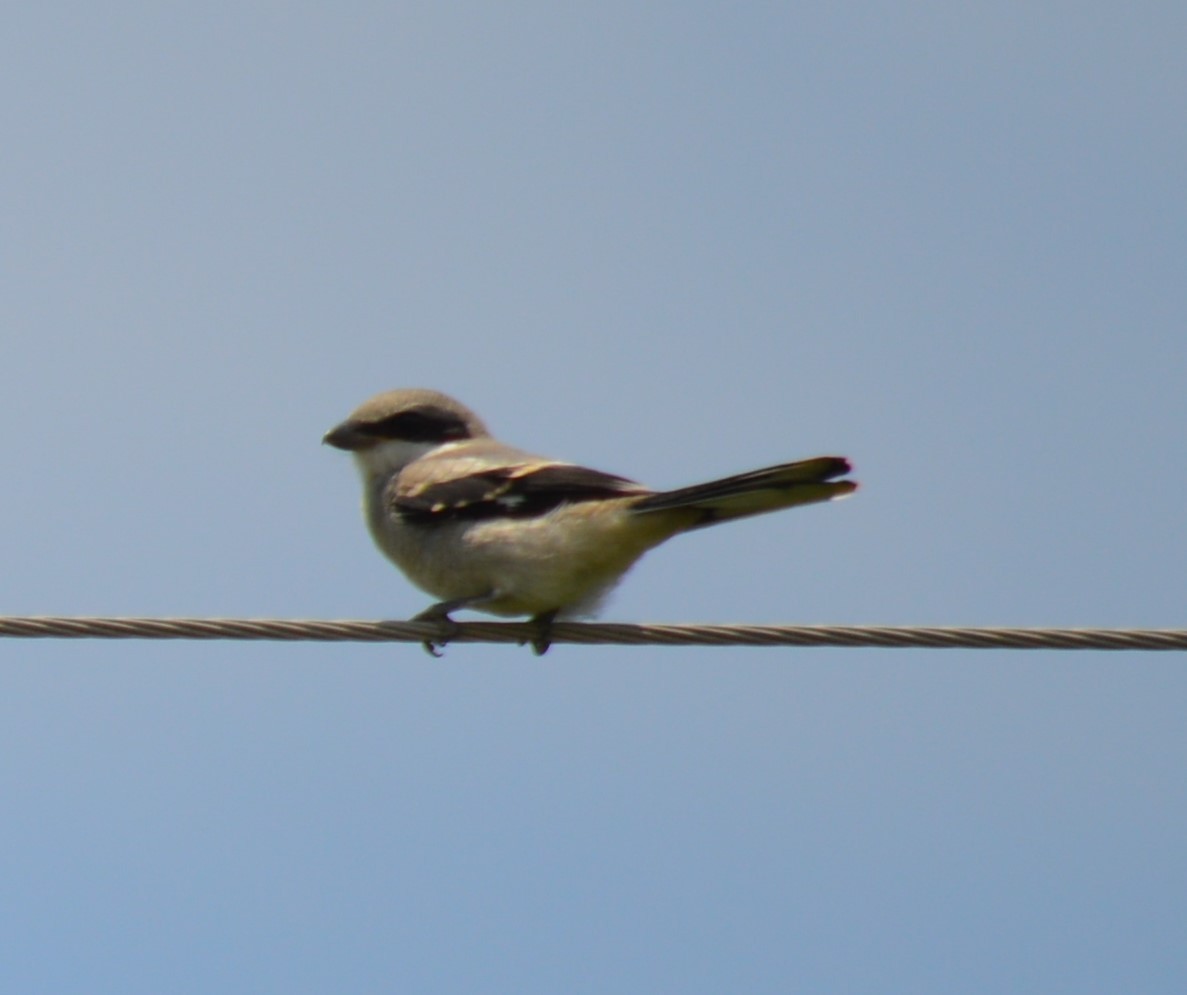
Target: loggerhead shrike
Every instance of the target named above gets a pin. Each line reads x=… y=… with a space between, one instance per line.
x=484 y=526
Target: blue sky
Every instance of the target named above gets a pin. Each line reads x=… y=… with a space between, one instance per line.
x=670 y=241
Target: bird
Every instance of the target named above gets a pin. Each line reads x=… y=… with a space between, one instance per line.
x=481 y=525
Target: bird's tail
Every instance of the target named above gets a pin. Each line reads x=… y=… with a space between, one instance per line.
x=758 y=491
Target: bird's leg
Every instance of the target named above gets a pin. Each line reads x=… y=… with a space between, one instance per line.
x=439 y=613
x=543 y=638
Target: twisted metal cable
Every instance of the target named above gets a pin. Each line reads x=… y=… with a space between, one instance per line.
x=621 y=634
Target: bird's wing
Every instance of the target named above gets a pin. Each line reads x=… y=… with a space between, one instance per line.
x=471 y=489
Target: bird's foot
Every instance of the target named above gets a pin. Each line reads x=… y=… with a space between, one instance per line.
x=439 y=613
x=448 y=628
x=543 y=637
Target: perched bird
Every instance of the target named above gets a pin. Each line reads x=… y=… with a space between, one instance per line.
x=485 y=526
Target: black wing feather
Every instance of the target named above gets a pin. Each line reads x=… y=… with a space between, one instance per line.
x=510 y=492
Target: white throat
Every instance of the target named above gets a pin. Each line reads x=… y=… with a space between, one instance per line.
x=390 y=457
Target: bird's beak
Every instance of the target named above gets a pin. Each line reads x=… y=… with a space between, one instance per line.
x=347 y=436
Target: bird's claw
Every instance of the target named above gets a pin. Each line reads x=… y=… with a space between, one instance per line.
x=543 y=637
x=448 y=630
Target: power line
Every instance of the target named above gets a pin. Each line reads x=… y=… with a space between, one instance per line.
x=602 y=633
